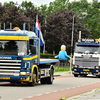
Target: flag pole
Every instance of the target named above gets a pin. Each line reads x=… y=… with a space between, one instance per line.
x=44 y=48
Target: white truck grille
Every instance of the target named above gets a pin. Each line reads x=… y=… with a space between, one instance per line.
x=84 y=62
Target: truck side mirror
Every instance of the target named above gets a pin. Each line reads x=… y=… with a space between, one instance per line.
x=33 y=49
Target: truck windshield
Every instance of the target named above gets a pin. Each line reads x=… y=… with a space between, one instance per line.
x=13 y=47
x=87 y=49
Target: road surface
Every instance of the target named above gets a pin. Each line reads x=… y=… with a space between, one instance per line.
x=62 y=87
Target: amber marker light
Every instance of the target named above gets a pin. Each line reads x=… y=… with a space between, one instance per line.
x=27 y=73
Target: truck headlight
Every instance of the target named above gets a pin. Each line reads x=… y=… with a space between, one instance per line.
x=22 y=73
x=97 y=70
x=97 y=67
x=76 y=66
x=75 y=69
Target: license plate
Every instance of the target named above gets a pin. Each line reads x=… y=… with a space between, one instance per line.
x=5 y=78
x=86 y=69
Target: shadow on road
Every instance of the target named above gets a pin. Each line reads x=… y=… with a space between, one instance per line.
x=17 y=84
x=89 y=76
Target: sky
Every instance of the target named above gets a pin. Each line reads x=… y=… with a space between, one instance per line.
x=36 y=2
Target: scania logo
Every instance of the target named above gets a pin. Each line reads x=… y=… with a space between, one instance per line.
x=5 y=58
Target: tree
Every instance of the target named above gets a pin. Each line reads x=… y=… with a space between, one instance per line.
x=54 y=7
x=92 y=18
x=14 y=16
x=27 y=5
x=10 y=4
x=2 y=9
x=31 y=13
x=44 y=9
x=59 y=30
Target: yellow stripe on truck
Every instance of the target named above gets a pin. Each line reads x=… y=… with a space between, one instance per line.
x=30 y=58
x=23 y=38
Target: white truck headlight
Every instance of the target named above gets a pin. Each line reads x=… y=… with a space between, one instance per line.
x=76 y=66
x=97 y=67
x=75 y=69
x=22 y=73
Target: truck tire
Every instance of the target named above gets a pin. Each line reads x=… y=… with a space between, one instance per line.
x=43 y=81
x=33 y=79
x=98 y=76
x=85 y=75
x=12 y=82
x=75 y=75
x=50 y=79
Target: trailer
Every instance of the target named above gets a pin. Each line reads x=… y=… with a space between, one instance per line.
x=86 y=59
x=20 y=58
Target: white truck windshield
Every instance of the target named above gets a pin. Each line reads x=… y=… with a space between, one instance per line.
x=87 y=48
x=13 y=47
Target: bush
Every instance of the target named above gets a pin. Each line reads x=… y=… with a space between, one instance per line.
x=47 y=56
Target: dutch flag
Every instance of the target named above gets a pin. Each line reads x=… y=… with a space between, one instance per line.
x=38 y=31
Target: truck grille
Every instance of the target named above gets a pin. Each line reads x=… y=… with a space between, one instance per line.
x=10 y=67
x=87 y=62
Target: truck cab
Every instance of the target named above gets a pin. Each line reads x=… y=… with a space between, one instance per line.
x=86 y=59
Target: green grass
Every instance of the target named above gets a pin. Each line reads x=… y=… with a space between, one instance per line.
x=63 y=98
x=61 y=69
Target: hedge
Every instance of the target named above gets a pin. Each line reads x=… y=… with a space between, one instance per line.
x=47 y=55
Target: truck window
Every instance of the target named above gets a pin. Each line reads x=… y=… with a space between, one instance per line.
x=90 y=48
x=13 y=47
x=31 y=42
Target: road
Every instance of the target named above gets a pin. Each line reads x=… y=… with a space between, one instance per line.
x=21 y=91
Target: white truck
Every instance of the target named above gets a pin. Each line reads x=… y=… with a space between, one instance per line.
x=86 y=59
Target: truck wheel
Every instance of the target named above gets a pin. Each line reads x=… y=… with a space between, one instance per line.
x=85 y=75
x=50 y=79
x=43 y=80
x=98 y=76
x=33 y=79
x=12 y=82
x=75 y=75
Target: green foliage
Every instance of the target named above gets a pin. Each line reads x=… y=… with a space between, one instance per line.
x=10 y=4
x=44 y=9
x=54 y=6
x=47 y=56
x=63 y=98
x=25 y=5
x=91 y=19
x=61 y=69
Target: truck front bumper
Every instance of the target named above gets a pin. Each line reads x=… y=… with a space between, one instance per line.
x=14 y=78
x=85 y=71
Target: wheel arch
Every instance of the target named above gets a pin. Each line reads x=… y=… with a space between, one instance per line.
x=34 y=68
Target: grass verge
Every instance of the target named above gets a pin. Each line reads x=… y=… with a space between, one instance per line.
x=61 y=69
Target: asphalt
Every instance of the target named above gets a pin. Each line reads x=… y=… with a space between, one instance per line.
x=92 y=95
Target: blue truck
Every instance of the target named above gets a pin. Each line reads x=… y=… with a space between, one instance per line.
x=20 y=58
x=86 y=58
